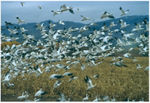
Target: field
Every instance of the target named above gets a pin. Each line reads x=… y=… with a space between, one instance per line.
x=66 y=51
x=121 y=83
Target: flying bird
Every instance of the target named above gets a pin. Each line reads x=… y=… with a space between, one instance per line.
x=96 y=99
x=40 y=26
x=123 y=12
x=40 y=7
x=89 y=82
x=107 y=15
x=67 y=74
x=13 y=31
x=71 y=10
x=24 y=95
x=112 y=24
x=57 y=84
x=64 y=8
x=123 y=23
x=22 y=4
x=22 y=29
x=56 y=76
x=137 y=27
x=138 y=66
x=84 y=18
x=61 y=22
x=86 y=97
x=19 y=20
x=62 y=98
x=39 y=93
x=8 y=23
x=55 y=12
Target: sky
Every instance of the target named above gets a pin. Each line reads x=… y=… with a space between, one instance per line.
x=92 y=9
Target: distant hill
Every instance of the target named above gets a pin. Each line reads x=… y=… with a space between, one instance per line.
x=31 y=27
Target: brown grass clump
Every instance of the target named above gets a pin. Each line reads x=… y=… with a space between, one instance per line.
x=116 y=82
x=4 y=44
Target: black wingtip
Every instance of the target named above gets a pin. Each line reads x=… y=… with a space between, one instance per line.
x=86 y=79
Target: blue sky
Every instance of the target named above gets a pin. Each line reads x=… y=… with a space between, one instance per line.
x=92 y=9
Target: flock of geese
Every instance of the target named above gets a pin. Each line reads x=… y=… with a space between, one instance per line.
x=61 y=44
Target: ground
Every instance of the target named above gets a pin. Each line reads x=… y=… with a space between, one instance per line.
x=121 y=83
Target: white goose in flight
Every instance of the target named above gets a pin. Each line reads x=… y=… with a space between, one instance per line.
x=123 y=23
x=55 y=12
x=40 y=7
x=39 y=93
x=19 y=20
x=62 y=98
x=123 y=12
x=8 y=23
x=57 y=84
x=86 y=98
x=56 y=76
x=107 y=15
x=112 y=24
x=40 y=26
x=13 y=31
x=64 y=8
x=96 y=99
x=61 y=22
x=89 y=82
x=84 y=18
x=137 y=27
x=22 y=4
x=24 y=95
x=22 y=29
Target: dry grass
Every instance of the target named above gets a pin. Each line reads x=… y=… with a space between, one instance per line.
x=118 y=82
x=4 y=44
